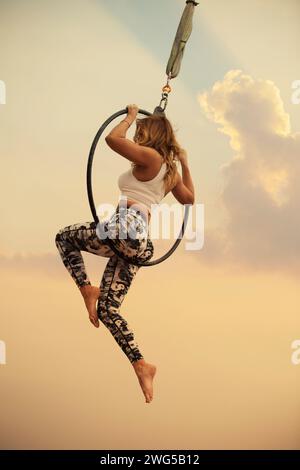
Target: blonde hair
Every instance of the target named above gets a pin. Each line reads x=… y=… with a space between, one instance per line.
x=156 y=131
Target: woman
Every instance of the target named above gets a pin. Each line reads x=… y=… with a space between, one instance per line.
x=153 y=156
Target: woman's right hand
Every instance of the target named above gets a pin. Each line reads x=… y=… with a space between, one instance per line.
x=182 y=156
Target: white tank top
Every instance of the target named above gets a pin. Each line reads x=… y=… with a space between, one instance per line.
x=145 y=192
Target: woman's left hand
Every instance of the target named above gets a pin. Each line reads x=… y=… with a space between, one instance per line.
x=132 y=109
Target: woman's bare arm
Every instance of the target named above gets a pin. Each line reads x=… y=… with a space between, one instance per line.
x=184 y=190
x=139 y=154
x=116 y=140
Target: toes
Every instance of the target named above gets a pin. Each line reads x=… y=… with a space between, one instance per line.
x=95 y=322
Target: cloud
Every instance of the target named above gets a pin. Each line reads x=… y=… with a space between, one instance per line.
x=261 y=191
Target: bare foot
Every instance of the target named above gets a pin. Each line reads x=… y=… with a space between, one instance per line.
x=145 y=373
x=91 y=295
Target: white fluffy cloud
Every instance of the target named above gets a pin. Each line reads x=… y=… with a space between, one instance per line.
x=261 y=192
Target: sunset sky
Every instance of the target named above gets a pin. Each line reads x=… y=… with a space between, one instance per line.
x=219 y=321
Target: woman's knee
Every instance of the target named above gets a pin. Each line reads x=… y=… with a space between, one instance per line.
x=59 y=234
x=58 y=237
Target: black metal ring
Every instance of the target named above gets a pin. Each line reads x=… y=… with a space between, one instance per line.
x=92 y=204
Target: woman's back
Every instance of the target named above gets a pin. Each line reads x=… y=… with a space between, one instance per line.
x=146 y=192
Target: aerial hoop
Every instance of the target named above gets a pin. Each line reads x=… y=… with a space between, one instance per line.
x=92 y=204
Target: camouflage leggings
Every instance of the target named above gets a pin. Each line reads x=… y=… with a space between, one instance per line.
x=118 y=274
